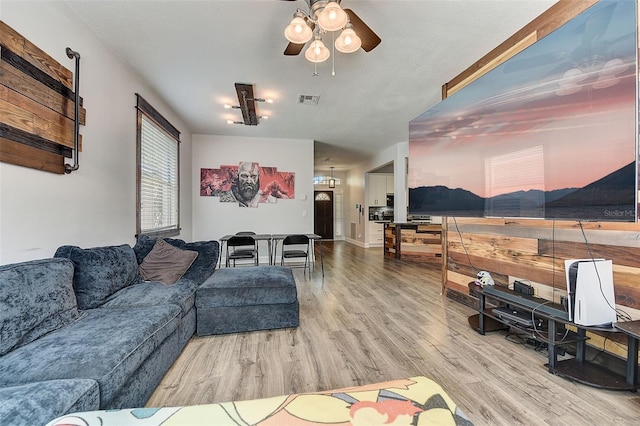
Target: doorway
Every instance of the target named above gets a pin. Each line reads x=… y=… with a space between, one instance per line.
x=323 y=214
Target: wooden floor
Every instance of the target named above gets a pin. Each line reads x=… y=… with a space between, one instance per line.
x=373 y=319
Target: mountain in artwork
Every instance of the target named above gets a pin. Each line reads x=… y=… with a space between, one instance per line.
x=609 y=198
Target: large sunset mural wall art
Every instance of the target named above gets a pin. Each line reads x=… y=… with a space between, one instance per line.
x=550 y=133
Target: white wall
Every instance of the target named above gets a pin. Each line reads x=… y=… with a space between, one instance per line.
x=213 y=219
x=95 y=205
x=355 y=195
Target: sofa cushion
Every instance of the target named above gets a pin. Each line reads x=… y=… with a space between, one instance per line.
x=202 y=267
x=166 y=263
x=100 y=272
x=36 y=297
x=247 y=286
x=39 y=402
x=107 y=345
x=147 y=293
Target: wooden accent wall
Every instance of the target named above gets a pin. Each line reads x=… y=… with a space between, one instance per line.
x=36 y=105
x=534 y=250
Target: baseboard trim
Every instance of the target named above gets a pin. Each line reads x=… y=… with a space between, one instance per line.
x=355 y=242
x=461 y=298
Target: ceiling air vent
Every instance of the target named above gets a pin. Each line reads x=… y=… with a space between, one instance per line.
x=308 y=99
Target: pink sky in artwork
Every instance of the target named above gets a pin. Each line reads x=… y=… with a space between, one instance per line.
x=581 y=142
x=571 y=96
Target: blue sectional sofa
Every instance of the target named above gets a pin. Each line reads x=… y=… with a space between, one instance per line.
x=82 y=331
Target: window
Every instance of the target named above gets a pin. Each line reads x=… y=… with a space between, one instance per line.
x=158 y=173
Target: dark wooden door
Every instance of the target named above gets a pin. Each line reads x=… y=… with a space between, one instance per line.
x=323 y=214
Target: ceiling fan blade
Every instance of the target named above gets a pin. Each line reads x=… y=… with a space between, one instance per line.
x=598 y=23
x=369 y=39
x=293 y=49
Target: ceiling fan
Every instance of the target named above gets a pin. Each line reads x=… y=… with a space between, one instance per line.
x=327 y=16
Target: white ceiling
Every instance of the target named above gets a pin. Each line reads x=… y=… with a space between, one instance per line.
x=193 y=52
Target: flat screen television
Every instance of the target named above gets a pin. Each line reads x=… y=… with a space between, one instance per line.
x=550 y=133
x=590 y=292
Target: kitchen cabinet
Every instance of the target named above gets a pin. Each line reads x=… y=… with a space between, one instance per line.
x=379 y=185
x=376 y=234
x=390 y=188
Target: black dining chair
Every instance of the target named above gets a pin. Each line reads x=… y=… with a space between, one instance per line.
x=257 y=246
x=296 y=247
x=241 y=247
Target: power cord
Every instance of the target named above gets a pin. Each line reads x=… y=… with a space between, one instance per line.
x=466 y=252
x=537 y=332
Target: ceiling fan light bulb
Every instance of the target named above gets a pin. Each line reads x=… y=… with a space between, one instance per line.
x=348 y=42
x=332 y=17
x=317 y=52
x=298 y=31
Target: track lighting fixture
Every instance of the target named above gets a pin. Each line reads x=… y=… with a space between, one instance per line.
x=247 y=105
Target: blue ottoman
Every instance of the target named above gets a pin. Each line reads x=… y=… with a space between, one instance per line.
x=235 y=300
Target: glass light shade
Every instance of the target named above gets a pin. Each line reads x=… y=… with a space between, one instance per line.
x=332 y=17
x=317 y=52
x=298 y=31
x=573 y=76
x=613 y=67
x=605 y=81
x=348 y=41
x=332 y=183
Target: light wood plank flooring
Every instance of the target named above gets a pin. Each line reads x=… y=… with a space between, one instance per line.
x=373 y=319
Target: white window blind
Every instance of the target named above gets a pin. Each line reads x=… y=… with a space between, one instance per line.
x=158 y=183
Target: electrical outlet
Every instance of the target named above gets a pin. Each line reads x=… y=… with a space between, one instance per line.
x=563 y=301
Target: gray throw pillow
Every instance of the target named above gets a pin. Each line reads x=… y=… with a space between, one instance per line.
x=166 y=263
x=36 y=298
x=100 y=272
